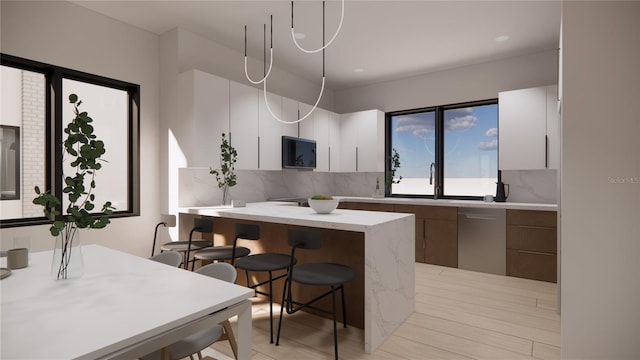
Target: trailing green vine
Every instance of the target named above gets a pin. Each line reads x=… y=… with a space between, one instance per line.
x=86 y=151
x=225 y=175
x=395 y=164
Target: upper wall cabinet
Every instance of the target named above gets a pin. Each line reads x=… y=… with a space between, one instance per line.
x=269 y=133
x=243 y=117
x=204 y=103
x=528 y=128
x=334 y=142
x=321 y=136
x=289 y=114
x=306 y=126
x=362 y=141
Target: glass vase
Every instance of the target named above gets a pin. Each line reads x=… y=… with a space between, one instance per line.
x=67 y=260
x=226 y=196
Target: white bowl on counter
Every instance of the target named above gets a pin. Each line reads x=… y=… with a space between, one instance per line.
x=323 y=206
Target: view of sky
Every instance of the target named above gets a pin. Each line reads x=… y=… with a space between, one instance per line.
x=470 y=144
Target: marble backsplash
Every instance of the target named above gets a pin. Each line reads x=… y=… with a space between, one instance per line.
x=199 y=188
x=532 y=186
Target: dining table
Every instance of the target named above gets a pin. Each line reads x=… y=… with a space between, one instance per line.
x=123 y=307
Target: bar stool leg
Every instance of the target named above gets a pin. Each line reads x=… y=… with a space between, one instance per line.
x=344 y=311
x=284 y=293
x=271 y=306
x=335 y=327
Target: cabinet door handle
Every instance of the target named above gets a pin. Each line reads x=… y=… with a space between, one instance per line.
x=546 y=151
x=535 y=252
x=356 y=158
x=535 y=227
x=258 y=152
x=329 y=158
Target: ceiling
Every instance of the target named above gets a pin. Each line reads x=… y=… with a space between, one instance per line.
x=385 y=39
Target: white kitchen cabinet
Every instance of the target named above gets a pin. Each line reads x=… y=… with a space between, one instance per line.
x=244 y=109
x=321 y=136
x=204 y=103
x=527 y=132
x=553 y=128
x=289 y=114
x=269 y=133
x=362 y=141
x=334 y=142
x=306 y=126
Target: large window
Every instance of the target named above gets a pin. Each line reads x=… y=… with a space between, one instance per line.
x=35 y=103
x=445 y=151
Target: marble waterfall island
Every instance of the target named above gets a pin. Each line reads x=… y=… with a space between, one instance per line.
x=380 y=246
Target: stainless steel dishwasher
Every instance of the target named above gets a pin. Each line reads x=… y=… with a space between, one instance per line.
x=482 y=240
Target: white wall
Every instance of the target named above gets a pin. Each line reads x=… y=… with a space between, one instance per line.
x=600 y=197
x=64 y=34
x=468 y=83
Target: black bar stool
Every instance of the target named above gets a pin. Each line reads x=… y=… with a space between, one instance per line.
x=265 y=262
x=314 y=274
x=199 y=225
x=186 y=246
x=228 y=252
x=166 y=220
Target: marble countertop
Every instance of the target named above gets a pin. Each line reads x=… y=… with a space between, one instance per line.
x=456 y=203
x=290 y=213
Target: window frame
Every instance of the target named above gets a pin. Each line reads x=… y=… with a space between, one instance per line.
x=54 y=124
x=439 y=147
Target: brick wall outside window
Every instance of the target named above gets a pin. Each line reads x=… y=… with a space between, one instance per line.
x=33 y=140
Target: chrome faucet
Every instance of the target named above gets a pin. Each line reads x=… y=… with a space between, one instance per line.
x=432 y=171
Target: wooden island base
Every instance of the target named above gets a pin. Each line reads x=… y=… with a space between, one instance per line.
x=338 y=246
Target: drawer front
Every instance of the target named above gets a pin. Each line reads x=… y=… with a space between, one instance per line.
x=441 y=239
x=532 y=217
x=533 y=238
x=366 y=206
x=429 y=211
x=532 y=265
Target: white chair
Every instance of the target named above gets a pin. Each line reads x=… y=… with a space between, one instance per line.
x=195 y=343
x=170 y=258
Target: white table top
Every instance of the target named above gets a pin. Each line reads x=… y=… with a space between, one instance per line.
x=121 y=299
x=287 y=213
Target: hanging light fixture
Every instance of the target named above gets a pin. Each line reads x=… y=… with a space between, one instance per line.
x=266 y=73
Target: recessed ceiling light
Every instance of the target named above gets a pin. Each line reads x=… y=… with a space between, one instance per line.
x=502 y=38
x=299 y=35
x=358 y=70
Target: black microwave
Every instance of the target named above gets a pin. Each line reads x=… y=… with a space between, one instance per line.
x=298 y=153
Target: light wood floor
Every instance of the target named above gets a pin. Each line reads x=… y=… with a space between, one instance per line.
x=458 y=315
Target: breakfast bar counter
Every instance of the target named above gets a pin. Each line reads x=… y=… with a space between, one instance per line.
x=378 y=245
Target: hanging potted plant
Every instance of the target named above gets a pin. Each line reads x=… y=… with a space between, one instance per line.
x=85 y=152
x=225 y=175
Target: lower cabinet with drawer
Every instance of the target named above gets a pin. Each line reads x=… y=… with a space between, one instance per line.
x=436 y=229
x=532 y=244
x=436 y=233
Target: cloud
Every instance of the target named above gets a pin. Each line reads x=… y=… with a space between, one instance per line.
x=415 y=124
x=462 y=111
x=491 y=132
x=460 y=123
x=488 y=145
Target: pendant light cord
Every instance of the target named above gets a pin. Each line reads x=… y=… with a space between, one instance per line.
x=266 y=73
x=324 y=46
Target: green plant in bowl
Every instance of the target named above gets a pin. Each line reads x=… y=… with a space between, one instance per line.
x=323 y=204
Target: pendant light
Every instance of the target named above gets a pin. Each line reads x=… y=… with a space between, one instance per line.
x=267 y=73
